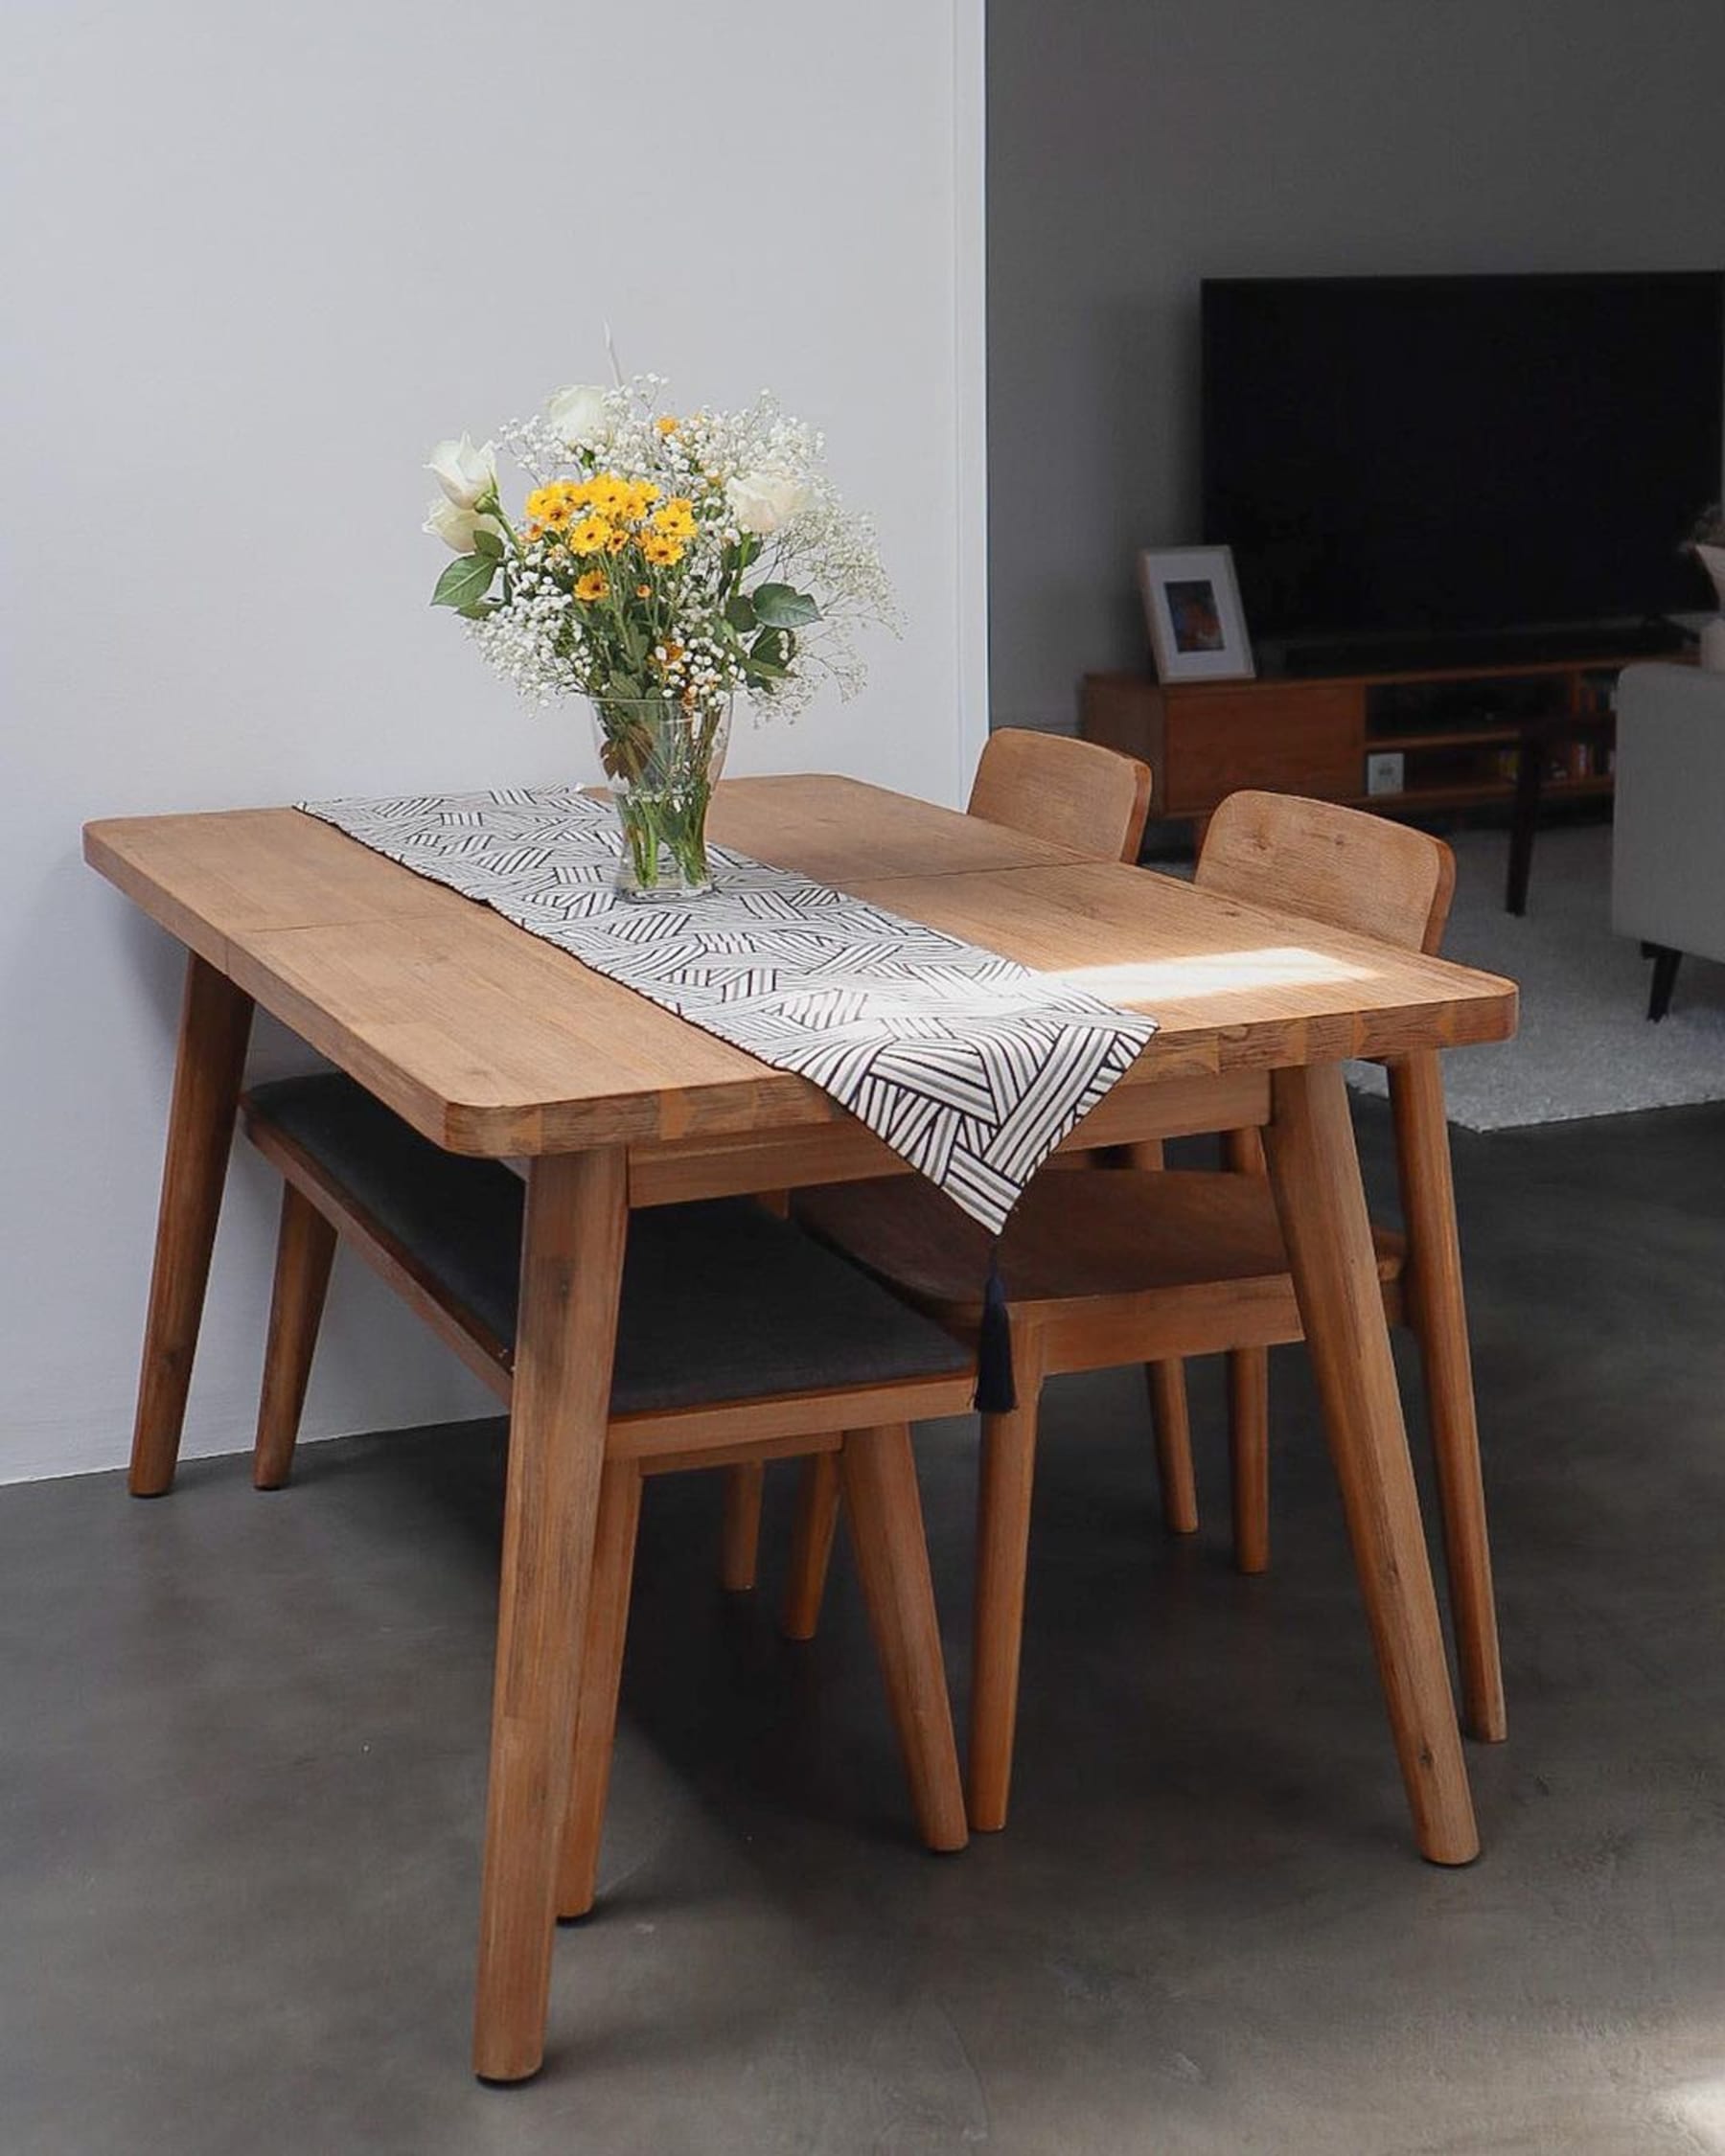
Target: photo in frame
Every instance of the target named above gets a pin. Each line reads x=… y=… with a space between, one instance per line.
x=1192 y=605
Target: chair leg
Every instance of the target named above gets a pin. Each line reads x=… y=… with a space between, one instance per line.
x=740 y=1535
x=1439 y=1319
x=884 y=1512
x=1666 y=963
x=305 y=1252
x=1003 y=1492
x=1249 y=1454
x=811 y=1545
x=1169 y=1418
x=1249 y=1404
x=601 y=1676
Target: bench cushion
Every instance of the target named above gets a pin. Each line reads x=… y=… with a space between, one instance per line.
x=722 y=1301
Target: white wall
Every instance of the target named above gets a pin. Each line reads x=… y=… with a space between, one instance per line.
x=259 y=260
x=1139 y=148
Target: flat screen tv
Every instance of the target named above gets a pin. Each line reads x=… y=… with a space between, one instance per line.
x=1427 y=459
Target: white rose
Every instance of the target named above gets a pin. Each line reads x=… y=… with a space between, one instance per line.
x=578 y=415
x=457 y=526
x=466 y=474
x=763 y=500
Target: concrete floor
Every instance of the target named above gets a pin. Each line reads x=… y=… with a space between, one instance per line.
x=242 y=1766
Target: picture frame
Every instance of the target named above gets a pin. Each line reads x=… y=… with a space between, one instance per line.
x=1192 y=606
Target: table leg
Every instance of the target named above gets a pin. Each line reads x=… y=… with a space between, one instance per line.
x=571 y=1272
x=1440 y=1315
x=1315 y=1172
x=214 y=1025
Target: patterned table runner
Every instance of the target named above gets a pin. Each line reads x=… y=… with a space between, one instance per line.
x=970 y=1066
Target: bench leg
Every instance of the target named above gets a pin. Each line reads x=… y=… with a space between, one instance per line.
x=1170 y=1419
x=739 y=1529
x=305 y=1253
x=884 y=1512
x=215 y=1026
x=811 y=1545
x=601 y=1676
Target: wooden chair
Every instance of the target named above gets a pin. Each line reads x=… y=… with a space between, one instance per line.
x=739 y=1339
x=1075 y=793
x=1093 y=801
x=1132 y=1266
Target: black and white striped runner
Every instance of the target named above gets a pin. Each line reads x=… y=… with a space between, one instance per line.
x=970 y=1066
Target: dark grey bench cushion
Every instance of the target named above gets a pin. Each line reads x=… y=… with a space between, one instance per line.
x=721 y=1300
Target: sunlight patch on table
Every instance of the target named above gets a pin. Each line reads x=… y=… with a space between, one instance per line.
x=1218 y=973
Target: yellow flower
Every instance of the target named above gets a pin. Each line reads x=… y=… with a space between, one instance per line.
x=594 y=583
x=539 y=502
x=608 y=493
x=617 y=541
x=643 y=592
x=677 y=519
x=590 y=535
x=659 y=549
x=642 y=494
x=668 y=424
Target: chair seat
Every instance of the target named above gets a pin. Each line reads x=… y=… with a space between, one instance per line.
x=721 y=1302
x=1107 y=1233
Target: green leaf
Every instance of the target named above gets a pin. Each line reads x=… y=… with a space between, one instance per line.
x=488 y=542
x=740 y=613
x=479 y=609
x=778 y=607
x=465 y=582
x=769 y=654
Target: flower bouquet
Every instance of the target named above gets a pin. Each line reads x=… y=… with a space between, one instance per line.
x=659 y=565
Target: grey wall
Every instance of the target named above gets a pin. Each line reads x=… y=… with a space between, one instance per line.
x=1134 y=148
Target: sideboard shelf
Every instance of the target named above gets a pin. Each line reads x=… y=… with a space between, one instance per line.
x=1458 y=730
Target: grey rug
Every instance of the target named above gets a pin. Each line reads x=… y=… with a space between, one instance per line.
x=1585 y=1047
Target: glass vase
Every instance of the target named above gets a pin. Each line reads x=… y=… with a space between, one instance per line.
x=661 y=760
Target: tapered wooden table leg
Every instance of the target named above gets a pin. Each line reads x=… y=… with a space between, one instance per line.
x=877 y=1470
x=1005 y=1484
x=571 y=1270
x=1440 y=1315
x=214 y=1025
x=1315 y=1172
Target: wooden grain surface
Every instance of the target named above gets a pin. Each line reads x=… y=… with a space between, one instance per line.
x=490 y=1041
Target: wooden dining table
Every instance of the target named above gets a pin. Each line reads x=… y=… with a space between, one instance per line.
x=491 y=1042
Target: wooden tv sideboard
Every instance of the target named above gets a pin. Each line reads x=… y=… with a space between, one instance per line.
x=1457 y=732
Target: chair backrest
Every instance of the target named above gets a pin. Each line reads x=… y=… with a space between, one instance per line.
x=1073 y=793
x=1337 y=865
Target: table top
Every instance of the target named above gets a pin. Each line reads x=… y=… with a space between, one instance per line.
x=491 y=1041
